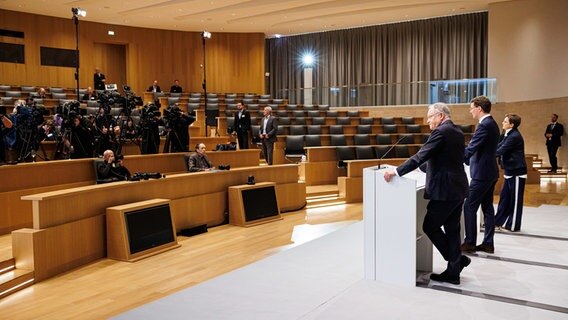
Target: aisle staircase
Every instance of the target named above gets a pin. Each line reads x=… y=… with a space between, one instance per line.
x=12 y=279
x=544 y=171
x=321 y=196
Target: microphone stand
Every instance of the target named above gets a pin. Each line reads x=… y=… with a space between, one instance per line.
x=389 y=150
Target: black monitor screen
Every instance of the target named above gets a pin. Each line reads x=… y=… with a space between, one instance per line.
x=148 y=228
x=259 y=203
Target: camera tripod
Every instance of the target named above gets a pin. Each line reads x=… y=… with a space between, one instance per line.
x=172 y=146
x=30 y=146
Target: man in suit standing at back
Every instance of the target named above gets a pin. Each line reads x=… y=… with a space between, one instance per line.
x=242 y=125
x=553 y=133
x=446 y=187
x=480 y=155
x=268 y=130
x=99 y=80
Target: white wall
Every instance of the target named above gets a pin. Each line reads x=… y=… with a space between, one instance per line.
x=528 y=49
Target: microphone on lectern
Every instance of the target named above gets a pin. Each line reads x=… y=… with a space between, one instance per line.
x=389 y=150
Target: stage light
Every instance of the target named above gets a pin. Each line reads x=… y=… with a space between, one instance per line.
x=308 y=59
x=79 y=12
x=206 y=35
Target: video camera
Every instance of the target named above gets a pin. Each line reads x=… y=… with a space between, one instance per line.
x=149 y=111
x=226 y=147
x=146 y=176
x=172 y=113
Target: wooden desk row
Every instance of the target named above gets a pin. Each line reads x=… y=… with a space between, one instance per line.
x=28 y=178
x=69 y=225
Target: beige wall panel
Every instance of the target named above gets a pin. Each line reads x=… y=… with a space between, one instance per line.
x=235 y=62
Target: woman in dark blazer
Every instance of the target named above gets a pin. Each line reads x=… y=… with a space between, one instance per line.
x=511 y=153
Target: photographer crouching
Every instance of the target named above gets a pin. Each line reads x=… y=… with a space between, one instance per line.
x=112 y=169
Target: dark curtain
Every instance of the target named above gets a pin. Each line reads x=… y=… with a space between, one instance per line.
x=386 y=64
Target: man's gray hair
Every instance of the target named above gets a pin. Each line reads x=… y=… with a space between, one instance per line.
x=442 y=108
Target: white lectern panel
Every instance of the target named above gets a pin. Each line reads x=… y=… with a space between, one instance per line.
x=393 y=216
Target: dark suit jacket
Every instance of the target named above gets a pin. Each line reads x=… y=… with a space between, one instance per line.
x=443 y=152
x=242 y=124
x=511 y=152
x=480 y=153
x=557 y=132
x=176 y=89
x=98 y=81
x=271 y=128
x=198 y=163
x=151 y=89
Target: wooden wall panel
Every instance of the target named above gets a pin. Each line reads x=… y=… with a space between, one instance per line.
x=235 y=62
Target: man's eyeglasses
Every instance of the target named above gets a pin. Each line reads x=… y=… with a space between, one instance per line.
x=433 y=115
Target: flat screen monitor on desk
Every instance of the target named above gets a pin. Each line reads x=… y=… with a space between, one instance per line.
x=148 y=228
x=260 y=203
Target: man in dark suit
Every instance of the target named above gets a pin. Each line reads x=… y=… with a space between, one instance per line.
x=446 y=187
x=176 y=88
x=480 y=155
x=99 y=80
x=242 y=125
x=267 y=133
x=154 y=87
x=553 y=133
x=511 y=153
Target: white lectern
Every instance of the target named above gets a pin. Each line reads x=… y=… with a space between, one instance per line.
x=395 y=246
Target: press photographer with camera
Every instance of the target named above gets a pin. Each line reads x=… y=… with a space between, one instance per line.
x=177 y=129
x=199 y=161
x=5 y=123
x=112 y=169
x=148 y=128
x=79 y=139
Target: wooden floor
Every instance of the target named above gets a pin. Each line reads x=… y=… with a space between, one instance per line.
x=107 y=287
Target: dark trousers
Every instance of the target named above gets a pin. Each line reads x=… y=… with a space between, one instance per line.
x=447 y=241
x=552 y=150
x=242 y=137
x=510 y=209
x=267 y=149
x=480 y=193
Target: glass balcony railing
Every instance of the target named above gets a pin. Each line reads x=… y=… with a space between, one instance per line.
x=421 y=92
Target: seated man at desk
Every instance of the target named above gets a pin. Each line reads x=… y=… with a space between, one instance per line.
x=199 y=161
x=112 y=169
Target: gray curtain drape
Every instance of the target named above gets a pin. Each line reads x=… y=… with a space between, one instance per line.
x=388 y=63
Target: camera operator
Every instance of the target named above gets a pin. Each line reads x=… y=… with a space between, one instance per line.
x=112 y=169
x=177 y=126
x=107 y=131
x=80 y=140
x=5 y=123
x=199 y=161
x=149 y=130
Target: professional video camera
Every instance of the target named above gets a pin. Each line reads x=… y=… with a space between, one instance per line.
x=68 y=111
x=108 y=99
x=27 y=119
x=146 y=175
x=172 y=113
x=149 y=112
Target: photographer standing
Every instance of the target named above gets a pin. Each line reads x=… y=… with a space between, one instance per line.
x=112 y=169
x=5 y=122
x=149 y=130
x=80 y=142
x=177 y=126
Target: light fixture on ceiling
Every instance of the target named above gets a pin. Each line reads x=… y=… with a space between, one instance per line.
x=206 y=35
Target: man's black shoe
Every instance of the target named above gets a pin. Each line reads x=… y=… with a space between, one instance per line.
x=464 y=262
x=489 y=248
x=468 y=247
x=443 y=277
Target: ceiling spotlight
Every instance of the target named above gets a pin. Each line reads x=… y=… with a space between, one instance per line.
x=79 y=12
x=206 y=35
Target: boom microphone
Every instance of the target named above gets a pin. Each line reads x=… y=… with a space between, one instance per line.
x=389 y=150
